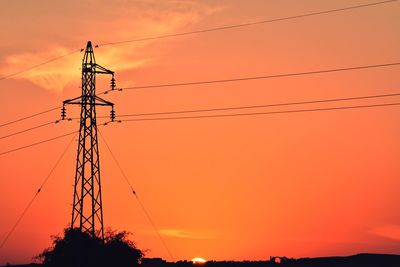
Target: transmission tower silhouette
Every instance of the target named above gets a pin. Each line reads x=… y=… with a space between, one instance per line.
x=87 y=211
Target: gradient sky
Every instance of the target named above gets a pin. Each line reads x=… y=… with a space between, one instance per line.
x=305 y=184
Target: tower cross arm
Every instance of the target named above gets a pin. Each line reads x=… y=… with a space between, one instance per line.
x=78 y=101
x=101 y=70
x=102 y=102
x=73 y=101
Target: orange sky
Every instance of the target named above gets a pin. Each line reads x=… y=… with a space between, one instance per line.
x=306 y=184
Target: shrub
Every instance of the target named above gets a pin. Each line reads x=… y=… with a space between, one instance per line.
x=81 y=249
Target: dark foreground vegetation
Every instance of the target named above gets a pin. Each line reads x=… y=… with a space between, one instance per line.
x=360 y=260
x=77 y=249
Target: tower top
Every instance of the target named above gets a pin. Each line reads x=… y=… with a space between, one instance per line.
x=88 y=57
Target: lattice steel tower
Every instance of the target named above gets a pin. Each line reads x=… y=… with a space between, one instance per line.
x=87 y=212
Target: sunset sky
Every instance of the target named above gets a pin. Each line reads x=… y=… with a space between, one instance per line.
x=300 y=184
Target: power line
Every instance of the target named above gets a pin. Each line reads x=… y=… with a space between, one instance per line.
x=262 y=106
x=30 y=129
x=216 y=116
x=46 y=140
x=313 y=72
x=137 y=198
x=210 y=110
x=38 y=65
x=37 y=143
x=28 y=117
x=154 y=226
x=35 y=195
x=262 y=113
x=222 y=81
x=247 y=24
x=203 y=31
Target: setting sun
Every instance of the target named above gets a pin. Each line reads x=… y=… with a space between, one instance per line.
x=198 y=260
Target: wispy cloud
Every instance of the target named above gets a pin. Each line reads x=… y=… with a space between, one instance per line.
x=387 y=231
x=135 y=20
x=57 y=75
x=54 y=76
x=178 y=233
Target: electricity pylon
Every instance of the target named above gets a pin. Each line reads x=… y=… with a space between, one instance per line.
x=87 y=212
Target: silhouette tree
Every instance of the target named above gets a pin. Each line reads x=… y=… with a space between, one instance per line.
x=80 y=249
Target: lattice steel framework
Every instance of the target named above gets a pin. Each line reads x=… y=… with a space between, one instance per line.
x=87 y=212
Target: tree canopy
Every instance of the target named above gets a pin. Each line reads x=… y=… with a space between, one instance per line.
x=76 y=248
